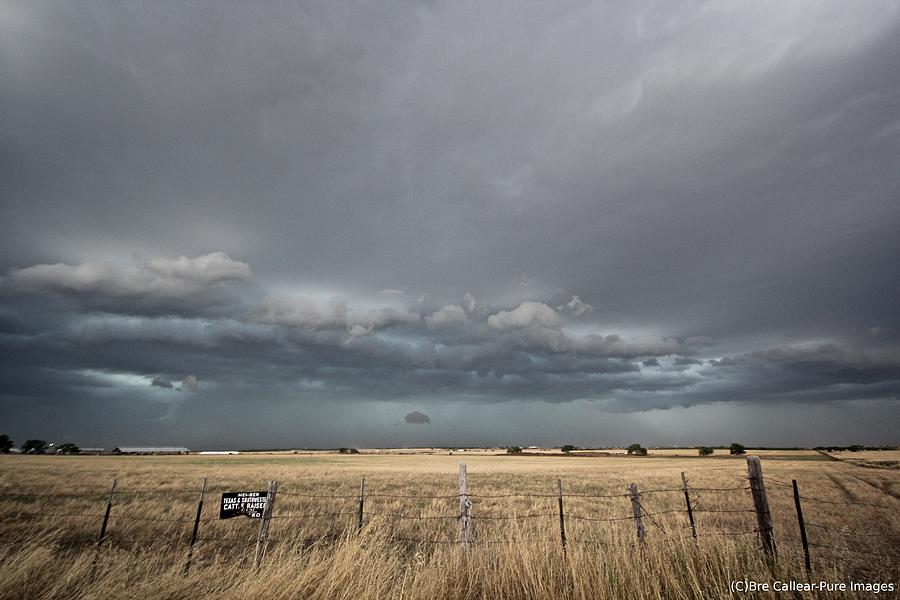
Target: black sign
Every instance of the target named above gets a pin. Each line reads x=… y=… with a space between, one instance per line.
x=235 y=504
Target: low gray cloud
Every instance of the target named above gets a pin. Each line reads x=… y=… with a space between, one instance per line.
x=417 y=418
x=334 y=313
x=684 y=361
x=157 y=285
x=160 y=382
x=190 y=383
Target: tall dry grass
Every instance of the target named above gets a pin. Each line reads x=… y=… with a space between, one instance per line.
x=47 y=555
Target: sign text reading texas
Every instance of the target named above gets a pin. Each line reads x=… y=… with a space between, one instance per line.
x=235 y=504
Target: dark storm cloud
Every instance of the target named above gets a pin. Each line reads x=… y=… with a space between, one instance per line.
x=458 y=204
x=159 y=382
x=417 y=418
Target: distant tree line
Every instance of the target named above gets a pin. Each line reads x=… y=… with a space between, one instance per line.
x=636 y=450
x=35 y=446
x=853 y=448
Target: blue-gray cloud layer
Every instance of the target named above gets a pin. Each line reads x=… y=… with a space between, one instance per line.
x=319 y=218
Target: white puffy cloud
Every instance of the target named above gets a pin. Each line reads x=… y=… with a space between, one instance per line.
x=451 y=314
x=527 y=314
x=575 y=306
x=538 y=325
x=143 y=286
x=334 y=313
x=209 y=268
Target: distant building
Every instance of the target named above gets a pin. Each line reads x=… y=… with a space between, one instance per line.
x=150 y=450
x=91 y=450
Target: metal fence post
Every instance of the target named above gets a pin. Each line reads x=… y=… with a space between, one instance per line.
x=187 y=564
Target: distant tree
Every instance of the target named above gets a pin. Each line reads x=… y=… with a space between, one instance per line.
x=568 y=448
x=34 y=447
x=68 y=448
x=6 y=444
x=856 y=448
x=637 y=450
x=737 y=449
x=514 y=450
x=705 y=451
x=343 y=450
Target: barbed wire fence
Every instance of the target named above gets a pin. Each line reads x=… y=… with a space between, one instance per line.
x=474 y=527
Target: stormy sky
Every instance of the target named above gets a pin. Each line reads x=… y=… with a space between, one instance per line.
x=236 y=224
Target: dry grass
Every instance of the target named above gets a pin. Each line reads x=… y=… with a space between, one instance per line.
x=889 y=459
x=321 y=557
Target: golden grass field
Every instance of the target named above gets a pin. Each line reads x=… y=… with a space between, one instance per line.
x=51 y=509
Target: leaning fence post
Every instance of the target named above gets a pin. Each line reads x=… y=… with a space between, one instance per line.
x=636 y=511
x=103 y=525
x=761 y=504
x=187 y=564
x=562 y=518
x=263 y=536
x=687 y=501
x=362 y=501
x=803 y=539
x=465 y=508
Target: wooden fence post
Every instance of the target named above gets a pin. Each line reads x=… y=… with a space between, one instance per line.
x=187 y=564
x=562 y=518
x=465 y=508
x=362 y=501
x=687 y=501
x=636 y=511
x=761 y=504
x=103 y=525
x=263 y=536
x=803 y=539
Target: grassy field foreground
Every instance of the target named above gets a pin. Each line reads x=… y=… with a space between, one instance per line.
x=51 y=508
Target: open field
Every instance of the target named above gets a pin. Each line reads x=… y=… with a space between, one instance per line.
x=798 y=454
x=871 y=458
x=51 y=509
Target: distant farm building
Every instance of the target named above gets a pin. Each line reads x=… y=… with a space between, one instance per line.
x=150 y=450
x=91 y=450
